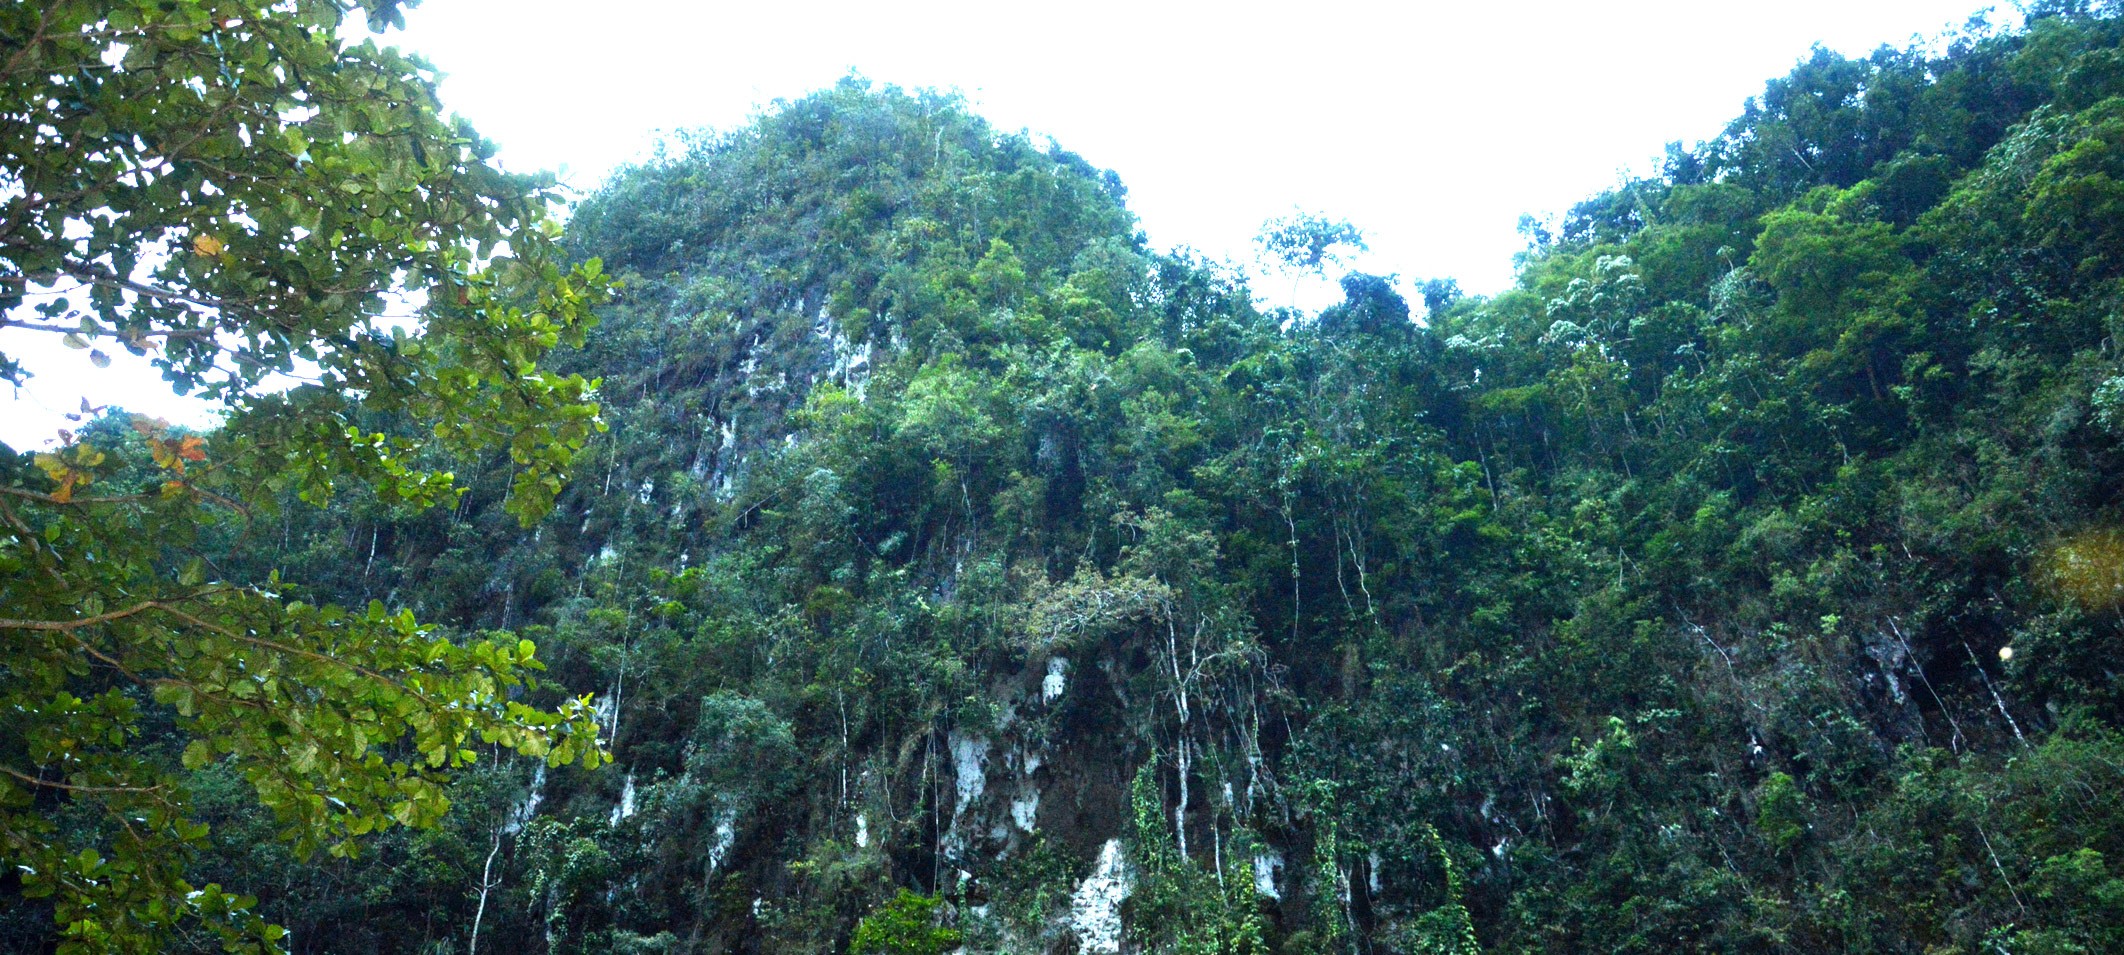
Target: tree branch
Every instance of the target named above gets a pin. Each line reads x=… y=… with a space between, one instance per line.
x=67 y=626
x=43 y=498
x=49 y=784
x=97 y=275
x=125 y=336
x=277 y=646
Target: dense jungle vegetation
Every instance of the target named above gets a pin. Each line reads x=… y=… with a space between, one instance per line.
x=958 y=571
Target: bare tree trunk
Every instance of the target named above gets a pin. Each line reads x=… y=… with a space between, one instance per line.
x=486 y=885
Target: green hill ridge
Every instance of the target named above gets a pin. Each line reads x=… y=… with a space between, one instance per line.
x=959 y=572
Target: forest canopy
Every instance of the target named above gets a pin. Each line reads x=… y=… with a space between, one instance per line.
x=955 y=571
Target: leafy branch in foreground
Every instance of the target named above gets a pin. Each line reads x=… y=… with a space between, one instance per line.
x=229 y=190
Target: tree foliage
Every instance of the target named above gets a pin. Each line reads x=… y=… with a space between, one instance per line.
x=959 y=570
x=233 y=192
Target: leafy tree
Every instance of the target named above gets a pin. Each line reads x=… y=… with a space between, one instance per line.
x=1370 y=306
x=1308 y=242
x=905 y=925
x=225 y=187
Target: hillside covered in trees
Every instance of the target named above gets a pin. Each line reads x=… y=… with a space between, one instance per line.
x=959 y=572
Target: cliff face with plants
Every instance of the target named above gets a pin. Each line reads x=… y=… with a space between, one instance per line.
x=958 y=571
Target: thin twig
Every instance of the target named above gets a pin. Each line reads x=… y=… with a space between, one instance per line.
x=71 y=625
x=69 y=787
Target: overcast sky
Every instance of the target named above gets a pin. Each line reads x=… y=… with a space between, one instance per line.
x=1432 y=127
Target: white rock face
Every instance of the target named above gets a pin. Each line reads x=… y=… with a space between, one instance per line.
x=608 y=714
x=725 y=837
x=529 y=807
x=1267 y=867
x=1025 y=808
x=1095 y=909
x=750 y=365
x=969 y=754
x=850 y=365
x=1056 y=681
x=626 y=803
x=969 y=760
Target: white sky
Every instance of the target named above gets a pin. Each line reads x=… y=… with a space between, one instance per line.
x=1430 y=126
